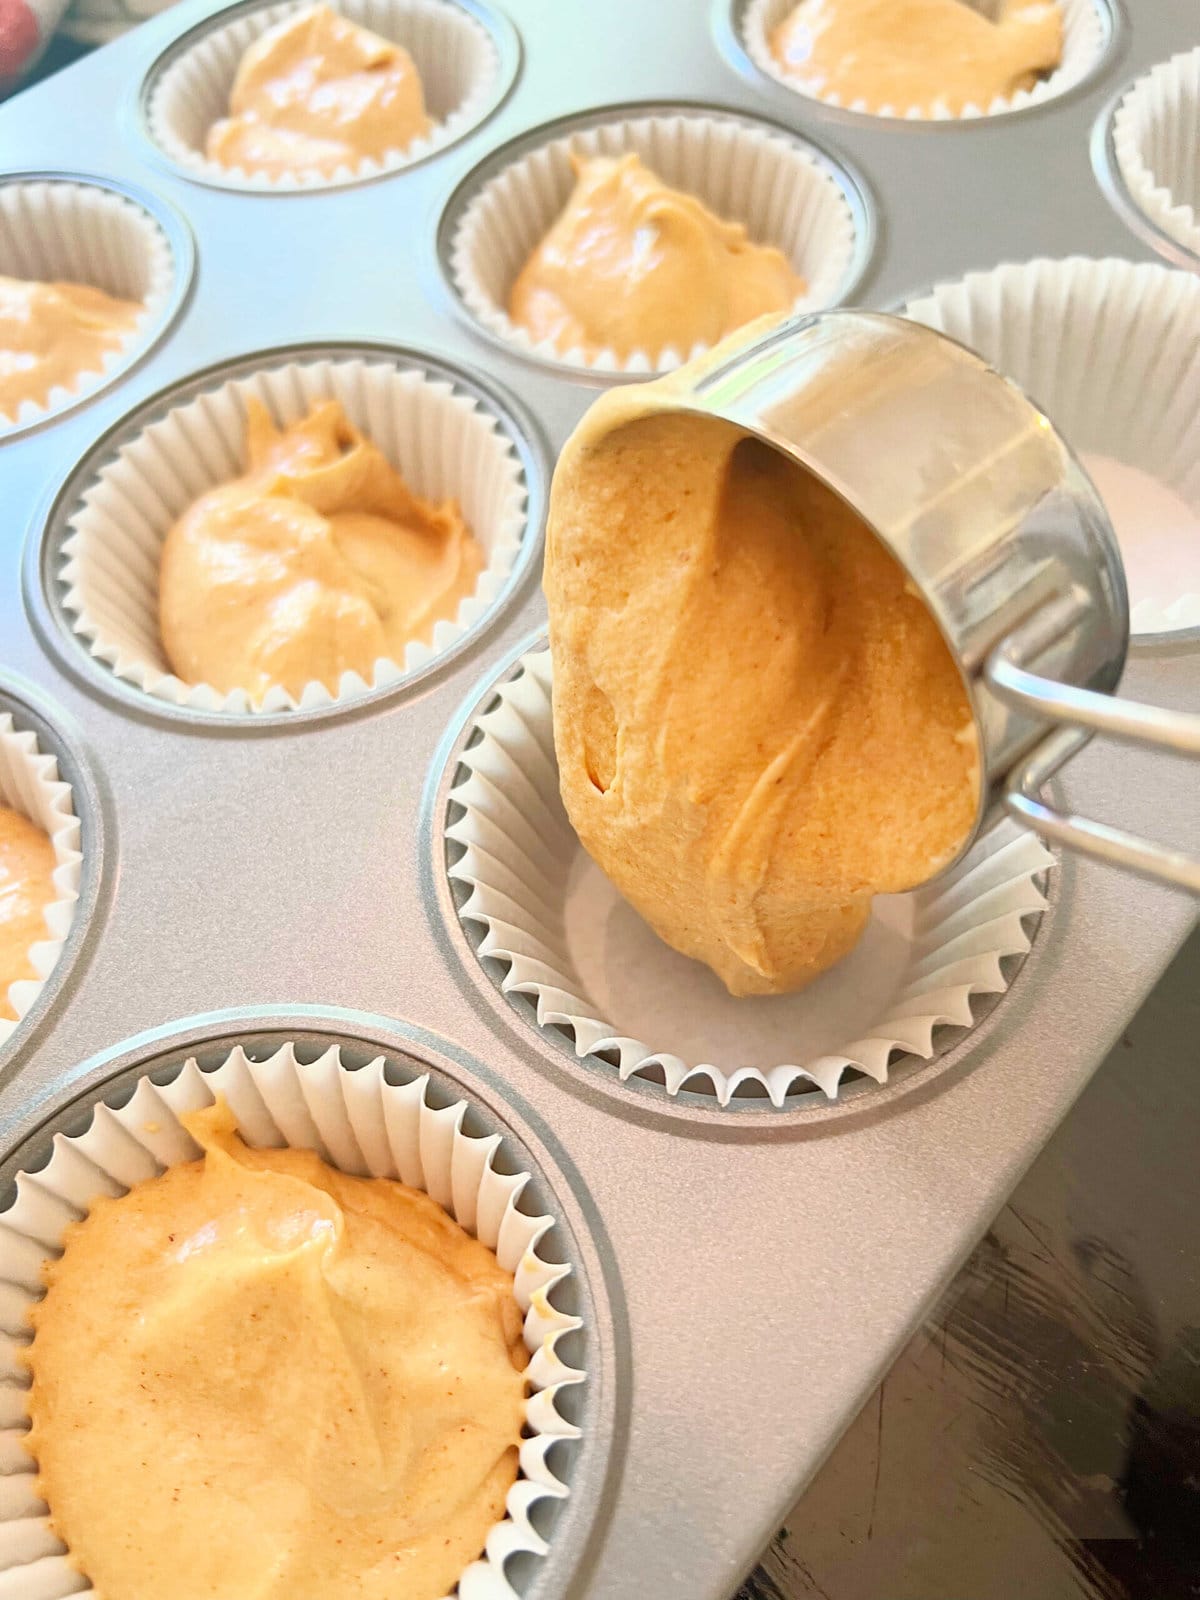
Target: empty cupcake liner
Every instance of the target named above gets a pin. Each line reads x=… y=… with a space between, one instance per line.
x=1156 y=141
x=560 y=934
x=357 y=1121
x=1111 y=352
x=1087 y=29
x=784 y=193
x=30 y=784
x=443 y=440
x=454 y=54
x=61 y=230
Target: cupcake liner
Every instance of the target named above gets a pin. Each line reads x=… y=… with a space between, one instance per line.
x=455 y=56
x=55 y=229
x=1156 y=141
x=1111 y=352
x=1087 y=29
x=443 y=440
x=95 y=22
x=30 y=784
x=563 y=936
x=783 y=192
x=357 y=1121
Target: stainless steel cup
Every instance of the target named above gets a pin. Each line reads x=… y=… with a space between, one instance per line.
x=1000 y=530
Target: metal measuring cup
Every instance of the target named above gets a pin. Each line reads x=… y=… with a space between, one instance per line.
x=997 y=525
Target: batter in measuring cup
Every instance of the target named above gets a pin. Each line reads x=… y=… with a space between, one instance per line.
x=634 y=265
x=758 y=723
x=922 y=54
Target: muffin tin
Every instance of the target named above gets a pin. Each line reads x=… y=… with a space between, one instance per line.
x=752 y=1261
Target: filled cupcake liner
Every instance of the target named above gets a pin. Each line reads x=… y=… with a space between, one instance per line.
x=30 y=784
x=358 y=1122
x=454 y=54
x=58 y=230
x=1156 y=141
x=1087 y=28
x=561 y=935
x=1110 y=351
x=782 y=192
x=442 y=439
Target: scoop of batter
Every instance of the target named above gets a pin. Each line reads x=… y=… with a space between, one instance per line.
x=52 y=333
x=315 y=93
x=633 y=265
x=26 y=888
x=256 y=1376
x=919 y=53
x=758 y=725
x=319 y=561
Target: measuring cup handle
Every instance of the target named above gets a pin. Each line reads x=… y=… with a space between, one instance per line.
x=1050 y=701
x=1023 y=801
x=1082 y=713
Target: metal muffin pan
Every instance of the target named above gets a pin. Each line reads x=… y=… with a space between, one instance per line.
x=762 y=1269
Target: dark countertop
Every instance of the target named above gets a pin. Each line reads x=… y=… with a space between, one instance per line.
x=1041 y=1436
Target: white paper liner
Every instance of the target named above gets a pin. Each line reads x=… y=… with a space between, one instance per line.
x=1087 y=28
x=441 y=438
x=753 y=175
x=30 y=784
x=454 y=55
x=59 y=230
x=1111 y=352
x=593 y=967
x=357 y=1122
x=1156 y=140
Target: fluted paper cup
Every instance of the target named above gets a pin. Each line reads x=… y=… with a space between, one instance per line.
x=1108 y=350
x=30 y=784
x=784 y=193
x=1156 y=141
x=441 y=438
x=357 y=1121
x=454 y=54
x=67 y=230
x=554 y=929
x=1087 y=29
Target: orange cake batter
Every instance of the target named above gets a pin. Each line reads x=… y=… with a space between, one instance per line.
x=53 y=333
x=633 y=265
x=758 y=724
x=316 y=93
x=319 y=560
x=26 y=888
x=918 y=53
x=256 y=1376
